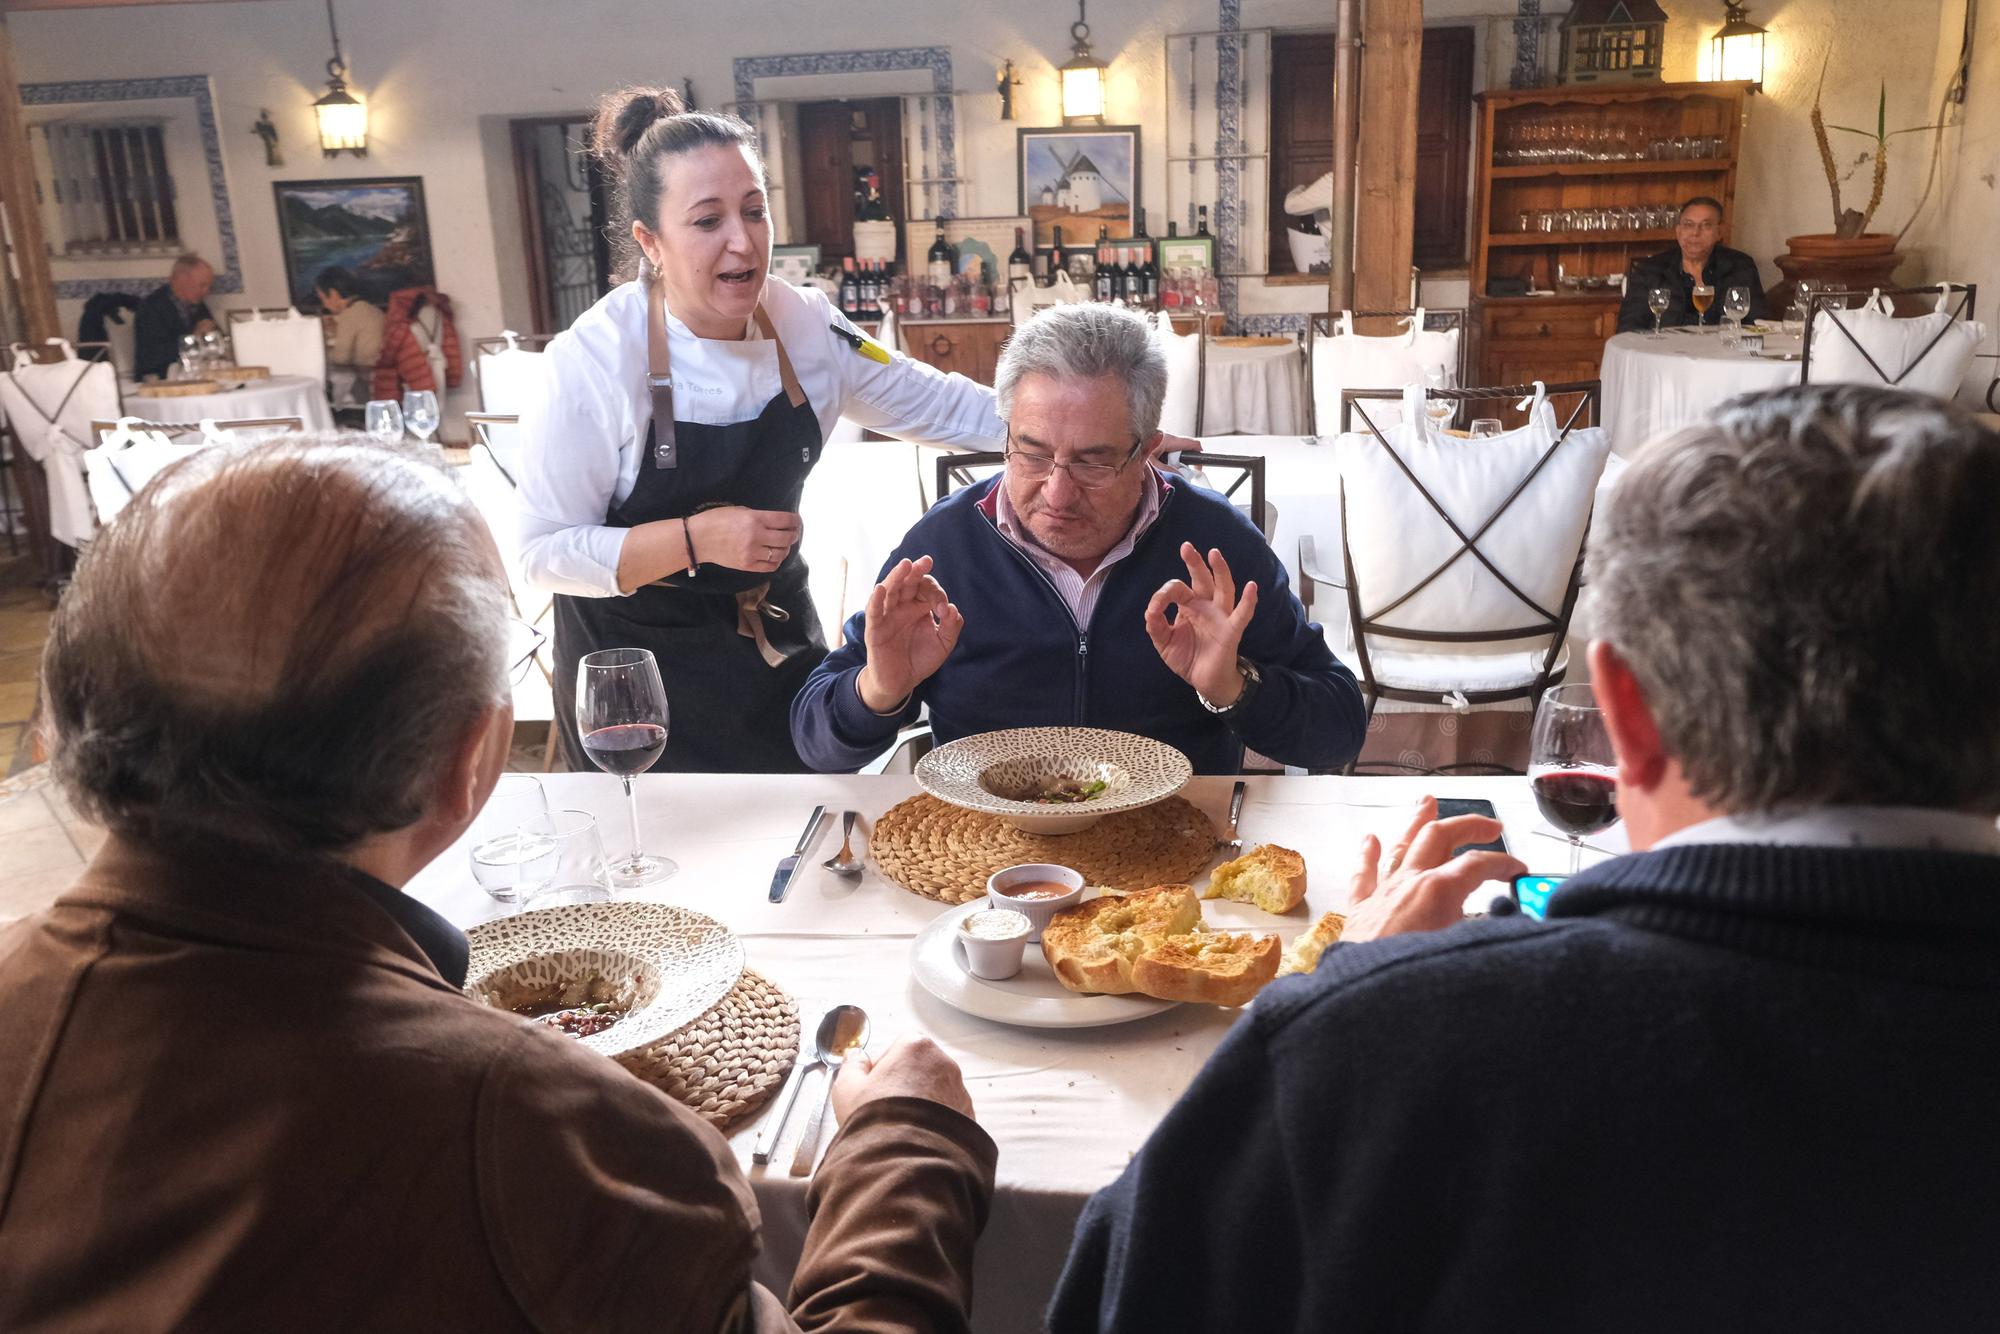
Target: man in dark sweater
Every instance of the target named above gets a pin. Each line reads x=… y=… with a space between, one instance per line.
x=171 y=310
x=1092 y=589
x=1740 y=1080
x=1697 y=253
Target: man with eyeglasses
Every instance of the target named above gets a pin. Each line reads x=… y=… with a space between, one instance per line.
x=1697 y=257
x=1084 y=587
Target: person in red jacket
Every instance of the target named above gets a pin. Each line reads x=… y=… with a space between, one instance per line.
x=419 y=341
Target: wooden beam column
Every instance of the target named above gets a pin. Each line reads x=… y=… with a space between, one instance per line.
x=1385 y=226
x=24 y=215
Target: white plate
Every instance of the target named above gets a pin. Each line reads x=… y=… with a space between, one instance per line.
x=1032 y=998
x=1136 y=770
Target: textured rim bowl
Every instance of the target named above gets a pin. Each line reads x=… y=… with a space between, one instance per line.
x=987 y=772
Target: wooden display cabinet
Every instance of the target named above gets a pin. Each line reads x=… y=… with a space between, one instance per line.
x=970 y=347
x=1588 y=157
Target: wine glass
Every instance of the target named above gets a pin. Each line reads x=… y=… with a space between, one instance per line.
x=1439 y=410
x=512 y=855
x=1482 y=427
x=385 y=420
x=190 y=356
x=212 y=351
x=621 y=714
x=1657 y=301
x=1703 y=297
x=420 y=412
x=1803 y=291
x=1571 y=768
x=1735 y=309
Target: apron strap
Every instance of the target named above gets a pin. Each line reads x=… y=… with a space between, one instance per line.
x=793 y=394
x=751 y=609
x=659 y=377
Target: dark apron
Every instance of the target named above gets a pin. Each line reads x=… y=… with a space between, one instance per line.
x=734 y=646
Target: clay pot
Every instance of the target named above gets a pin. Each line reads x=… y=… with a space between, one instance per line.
x=1862 y=262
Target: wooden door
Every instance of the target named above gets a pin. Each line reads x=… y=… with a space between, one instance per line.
x=1444 y=147
x=835 y=138
x=564 y=212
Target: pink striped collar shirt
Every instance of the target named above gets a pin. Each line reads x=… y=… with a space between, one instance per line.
x=1079 y=592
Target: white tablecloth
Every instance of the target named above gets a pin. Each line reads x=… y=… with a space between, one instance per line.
x=1254 y=390
x=280 y=396
x=1065 y=1107
x=1656 y=385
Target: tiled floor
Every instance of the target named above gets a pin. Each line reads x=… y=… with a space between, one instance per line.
x=24 y=624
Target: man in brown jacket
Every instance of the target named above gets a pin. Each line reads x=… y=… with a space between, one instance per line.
x=239 y=1085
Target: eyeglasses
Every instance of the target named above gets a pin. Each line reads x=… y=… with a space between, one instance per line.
x=524 y=641
x=1089 y=476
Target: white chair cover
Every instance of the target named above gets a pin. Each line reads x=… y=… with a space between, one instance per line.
x=50 y=408
x=1348 y=360
x=510 y=379
x=1028 y=298
x=495 y=499
x=289 y=344
x=1395 y=538
x=888 y=333
x=130 y=457
x=1898 y=347
x=1183 y=353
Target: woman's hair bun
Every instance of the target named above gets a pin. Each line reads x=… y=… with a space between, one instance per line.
x=624 y=117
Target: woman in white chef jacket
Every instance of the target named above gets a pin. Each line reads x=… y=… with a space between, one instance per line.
x=660 y=485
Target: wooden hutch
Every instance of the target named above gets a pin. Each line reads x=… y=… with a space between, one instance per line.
x=1573 y=153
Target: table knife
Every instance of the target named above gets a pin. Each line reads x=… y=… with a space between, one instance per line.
x=788 y=867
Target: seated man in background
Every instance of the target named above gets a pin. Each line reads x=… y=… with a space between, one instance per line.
x=1090 y=589
x=168 y=313
x=357 y=333
x=240 y=1086
x=1740 y=1080
x=1695 y=257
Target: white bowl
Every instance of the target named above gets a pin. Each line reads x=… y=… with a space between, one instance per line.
x=995 y=773
x=1037 y=911
x=994 y=958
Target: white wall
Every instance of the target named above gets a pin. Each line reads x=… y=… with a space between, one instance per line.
x=442 y=78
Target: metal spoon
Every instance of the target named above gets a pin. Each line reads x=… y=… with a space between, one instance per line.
x=844 y=1028
x=846 y=863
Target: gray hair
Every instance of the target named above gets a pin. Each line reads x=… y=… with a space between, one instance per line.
x=1803 y=587
x=281 y=644
x=189 y=260
x=1083 y=341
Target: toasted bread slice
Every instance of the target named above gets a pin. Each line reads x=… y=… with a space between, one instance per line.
x=1271 y=877
x=1210 y=967
x=1091 y=946
x=1304 y=954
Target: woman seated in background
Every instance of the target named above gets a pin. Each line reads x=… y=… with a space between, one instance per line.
x=357 y=333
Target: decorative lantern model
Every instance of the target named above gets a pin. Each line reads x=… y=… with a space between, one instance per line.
x=1613 y=41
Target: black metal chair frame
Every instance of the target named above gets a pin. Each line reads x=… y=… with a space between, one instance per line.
x=954 y=470
x=1435 y=320
x=1554 y=624
x=482 y=346
x=1835 y=301
x=482 y=422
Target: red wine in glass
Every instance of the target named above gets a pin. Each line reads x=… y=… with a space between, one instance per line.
x=1577 y=801
x=626 y=749
x=621 y=714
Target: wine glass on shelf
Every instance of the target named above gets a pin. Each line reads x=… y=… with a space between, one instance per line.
x=1657 y=301
x=1735 y=309
x=420 y=412
x=621 y=715
x=1571 y=768
x=384 y=419
x=1703 y=297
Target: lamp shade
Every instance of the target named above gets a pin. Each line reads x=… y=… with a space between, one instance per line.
x=1082 y=90
x=1736 y=52
x=343 y=122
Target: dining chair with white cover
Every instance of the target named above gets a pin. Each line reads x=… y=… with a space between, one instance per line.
x=1183 y=408
x=1927 y=354
x=491 y=487
x=49 y=396
x=1462 y=558
x=131 y=451
x=509 y=370
x=283 y=340
x=1339 y=358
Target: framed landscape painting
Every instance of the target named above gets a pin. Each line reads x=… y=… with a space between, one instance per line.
x=376 y=229
x=1079 y=180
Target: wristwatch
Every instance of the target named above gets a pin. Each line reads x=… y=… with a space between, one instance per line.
x=1252 y=678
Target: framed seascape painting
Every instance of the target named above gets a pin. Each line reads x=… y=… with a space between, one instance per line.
x=1079 y=180
x=376 y=229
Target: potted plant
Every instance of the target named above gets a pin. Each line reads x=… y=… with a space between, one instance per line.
x=1850 y=256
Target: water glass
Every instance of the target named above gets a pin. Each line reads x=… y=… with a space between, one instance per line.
x=1657 y=301
x=420 y=412
x=213 y=353
x=1482 y=427
x=512 y=855
x=385 y=420
x=190 y=356
x=578 y=872
x=1735 y=308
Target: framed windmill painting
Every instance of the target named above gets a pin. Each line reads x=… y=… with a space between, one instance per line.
x=1079 y=180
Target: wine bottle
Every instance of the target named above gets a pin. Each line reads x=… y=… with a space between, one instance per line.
x=940 y=260
x=1135 y=285
x=1058 y=258
x=1201 y=224
x=1173 y=229
x=1107 y=283
x=850 y=289
x=1149 y=280
x=1019 y=264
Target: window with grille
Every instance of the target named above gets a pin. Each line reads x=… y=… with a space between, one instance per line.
x=105 y=187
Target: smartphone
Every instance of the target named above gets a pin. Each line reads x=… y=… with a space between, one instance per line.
x=1531 y=893
x=1451 y=806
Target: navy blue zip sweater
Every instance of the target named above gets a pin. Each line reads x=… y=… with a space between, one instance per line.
x=1723 y=1088
x=1022 y=660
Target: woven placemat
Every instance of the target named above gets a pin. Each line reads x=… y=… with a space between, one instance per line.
x=945 y=852
x=727 y=1062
